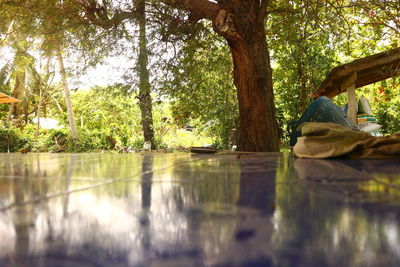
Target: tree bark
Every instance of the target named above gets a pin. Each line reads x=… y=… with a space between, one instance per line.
x=26 y=112
x=39 y=107
x=303 y=88
x=67 y=94
x=243 y=28
x=10 y=113
x=145 y=101
x=19 y=93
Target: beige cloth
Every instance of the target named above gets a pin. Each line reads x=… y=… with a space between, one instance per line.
x=326 y=140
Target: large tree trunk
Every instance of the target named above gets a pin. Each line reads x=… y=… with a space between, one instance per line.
x=145 y=101
x=243 y=28
x=68 y=101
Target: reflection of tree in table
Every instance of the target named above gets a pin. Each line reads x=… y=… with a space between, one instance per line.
x=206 y=195
x=330 y=219
x=29 y=187
x=146 y=183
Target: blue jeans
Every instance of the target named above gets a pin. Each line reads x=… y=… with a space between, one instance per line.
x=322 y=110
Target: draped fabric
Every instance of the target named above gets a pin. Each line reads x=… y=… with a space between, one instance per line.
x=327 y=140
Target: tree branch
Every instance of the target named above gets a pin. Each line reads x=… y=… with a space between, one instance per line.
x=283 y=10
x=98 y=14
x=198 y=8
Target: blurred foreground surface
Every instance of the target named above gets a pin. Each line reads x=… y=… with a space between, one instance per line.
x=266 y=209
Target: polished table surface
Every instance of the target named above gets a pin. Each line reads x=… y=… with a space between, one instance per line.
x=181 y=209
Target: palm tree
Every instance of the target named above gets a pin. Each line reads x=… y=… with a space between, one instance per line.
x=14 y=76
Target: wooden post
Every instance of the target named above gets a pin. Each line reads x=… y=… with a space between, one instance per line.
x=350 y=86
x=351 y=96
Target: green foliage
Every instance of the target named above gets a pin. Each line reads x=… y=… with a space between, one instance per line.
x=12 y=140
x=56 y=139
x=49 y=140
x=107 y=118
x=302 y=55
x=389 y=118
x=92 y=140
x=309 y=38
x=202 y=88
x=384 y=98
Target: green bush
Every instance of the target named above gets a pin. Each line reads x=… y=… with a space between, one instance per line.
x=387 y=116
x=57 y=139
x=137 y=143
x=94 y=140
x=48 y=140
x=12 y=140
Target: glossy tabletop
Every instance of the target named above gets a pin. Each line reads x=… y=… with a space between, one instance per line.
x=266 y=209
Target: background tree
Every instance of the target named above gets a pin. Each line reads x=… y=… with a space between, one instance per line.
x=145 y=100
x=35 y=19
x=303 y=46
x=241 y=24
x=41 y=90
x=70 y=112
x=19 y=73
x=108 y=17
x=198 y=80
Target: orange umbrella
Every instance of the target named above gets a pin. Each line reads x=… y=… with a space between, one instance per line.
x=7 y=99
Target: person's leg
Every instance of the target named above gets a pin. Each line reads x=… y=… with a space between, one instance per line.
x=322 y=109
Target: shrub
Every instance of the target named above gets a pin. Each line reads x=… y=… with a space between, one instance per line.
x=94 y=140
x=12 y=140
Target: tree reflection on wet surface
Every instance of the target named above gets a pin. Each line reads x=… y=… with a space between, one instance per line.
x=266 y=209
